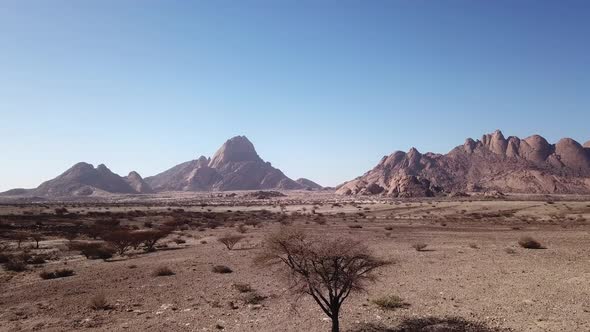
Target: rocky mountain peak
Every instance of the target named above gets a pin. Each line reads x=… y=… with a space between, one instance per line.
x=236 y=149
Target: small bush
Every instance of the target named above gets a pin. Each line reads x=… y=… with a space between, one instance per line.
x=179 y=241
x=99 y=302
x=15 y=264
x=230 y=240
x=419 y=246
x=163 y=271
x=61 y=273
x=473 y=246
x=388 y=228
x=355 y=226
x=254 y=298
x=390 y=302
x=529 y=243
x=243 y=287
x=222 y=269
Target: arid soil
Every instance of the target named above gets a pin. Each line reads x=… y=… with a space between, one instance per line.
x=472 y=267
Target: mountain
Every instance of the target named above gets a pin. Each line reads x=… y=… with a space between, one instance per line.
x=308 y=184
x=137 y=183
x=235 y=166
x=529 y=165
x=83 y=179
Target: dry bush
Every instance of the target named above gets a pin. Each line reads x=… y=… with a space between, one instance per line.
x=254 y=297
x=419 y=246
x=15 y=263
x=230 y=240
x=121 y=240
x=242 y=228
x=99 y=302
x=243 y=287
x=163 y=271
x=473 y=246
x=60 y=273
x=222 y=269
x=150 y=238
x=390 y=302
x=529 y=243
x=94 y=250
x=179 y=240
x=328 y=270
x=510 y=251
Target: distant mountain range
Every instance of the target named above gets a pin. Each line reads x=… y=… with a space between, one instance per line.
x=235 y=166
x=494 y=163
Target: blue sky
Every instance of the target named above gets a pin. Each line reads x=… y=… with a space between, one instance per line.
x=322 y=88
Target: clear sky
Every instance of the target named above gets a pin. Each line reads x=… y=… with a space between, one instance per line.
x=322 y=88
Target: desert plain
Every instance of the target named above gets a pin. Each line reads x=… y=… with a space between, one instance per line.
x=456 y=264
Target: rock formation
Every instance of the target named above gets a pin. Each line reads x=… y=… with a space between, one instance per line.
x=308 y=184
x=235 y=166
x=83 y=179
x=529 y=165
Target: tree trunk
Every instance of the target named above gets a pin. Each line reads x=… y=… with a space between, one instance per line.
x=335 y=319
x=335 y=324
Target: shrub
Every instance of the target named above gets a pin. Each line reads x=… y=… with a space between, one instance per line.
x=179 y=240
x=529 y=243
x=222 y=269
x=150 y=238
x=121 y=240
x=242 y=228
x=15 y=264
x=230 y=240
x=94 y=250
x=243 y=287
x=419 y=246
x=61 y=273
x=163 y=271
x=473 y=246
x=390 y=302
x=254 y=297
x=99 y=302
x=38 y=259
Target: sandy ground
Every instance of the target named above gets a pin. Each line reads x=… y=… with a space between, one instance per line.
x=473 y=268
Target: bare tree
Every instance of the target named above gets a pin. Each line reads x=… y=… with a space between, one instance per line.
x=328 y=270
x=19 y=237
x=121 y=239
x=37 y=238
x=230 y=240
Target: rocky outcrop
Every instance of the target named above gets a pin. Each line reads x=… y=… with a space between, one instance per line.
x=235 y=166
x=138 y=184
x=83 y=179
x=308 y=184
x=529 y=165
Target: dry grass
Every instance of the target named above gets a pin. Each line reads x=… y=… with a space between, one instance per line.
x=163 y=271
x=99 y=302
x=390 y=302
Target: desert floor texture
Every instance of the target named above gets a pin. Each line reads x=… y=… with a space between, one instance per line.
x=472 y=268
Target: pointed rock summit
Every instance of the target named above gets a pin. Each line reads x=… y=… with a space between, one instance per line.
x=235 y=166
x=137 y=183
x=236 y=149
x=529 y=165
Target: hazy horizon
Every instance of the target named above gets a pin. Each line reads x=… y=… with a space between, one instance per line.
x=322 y=90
